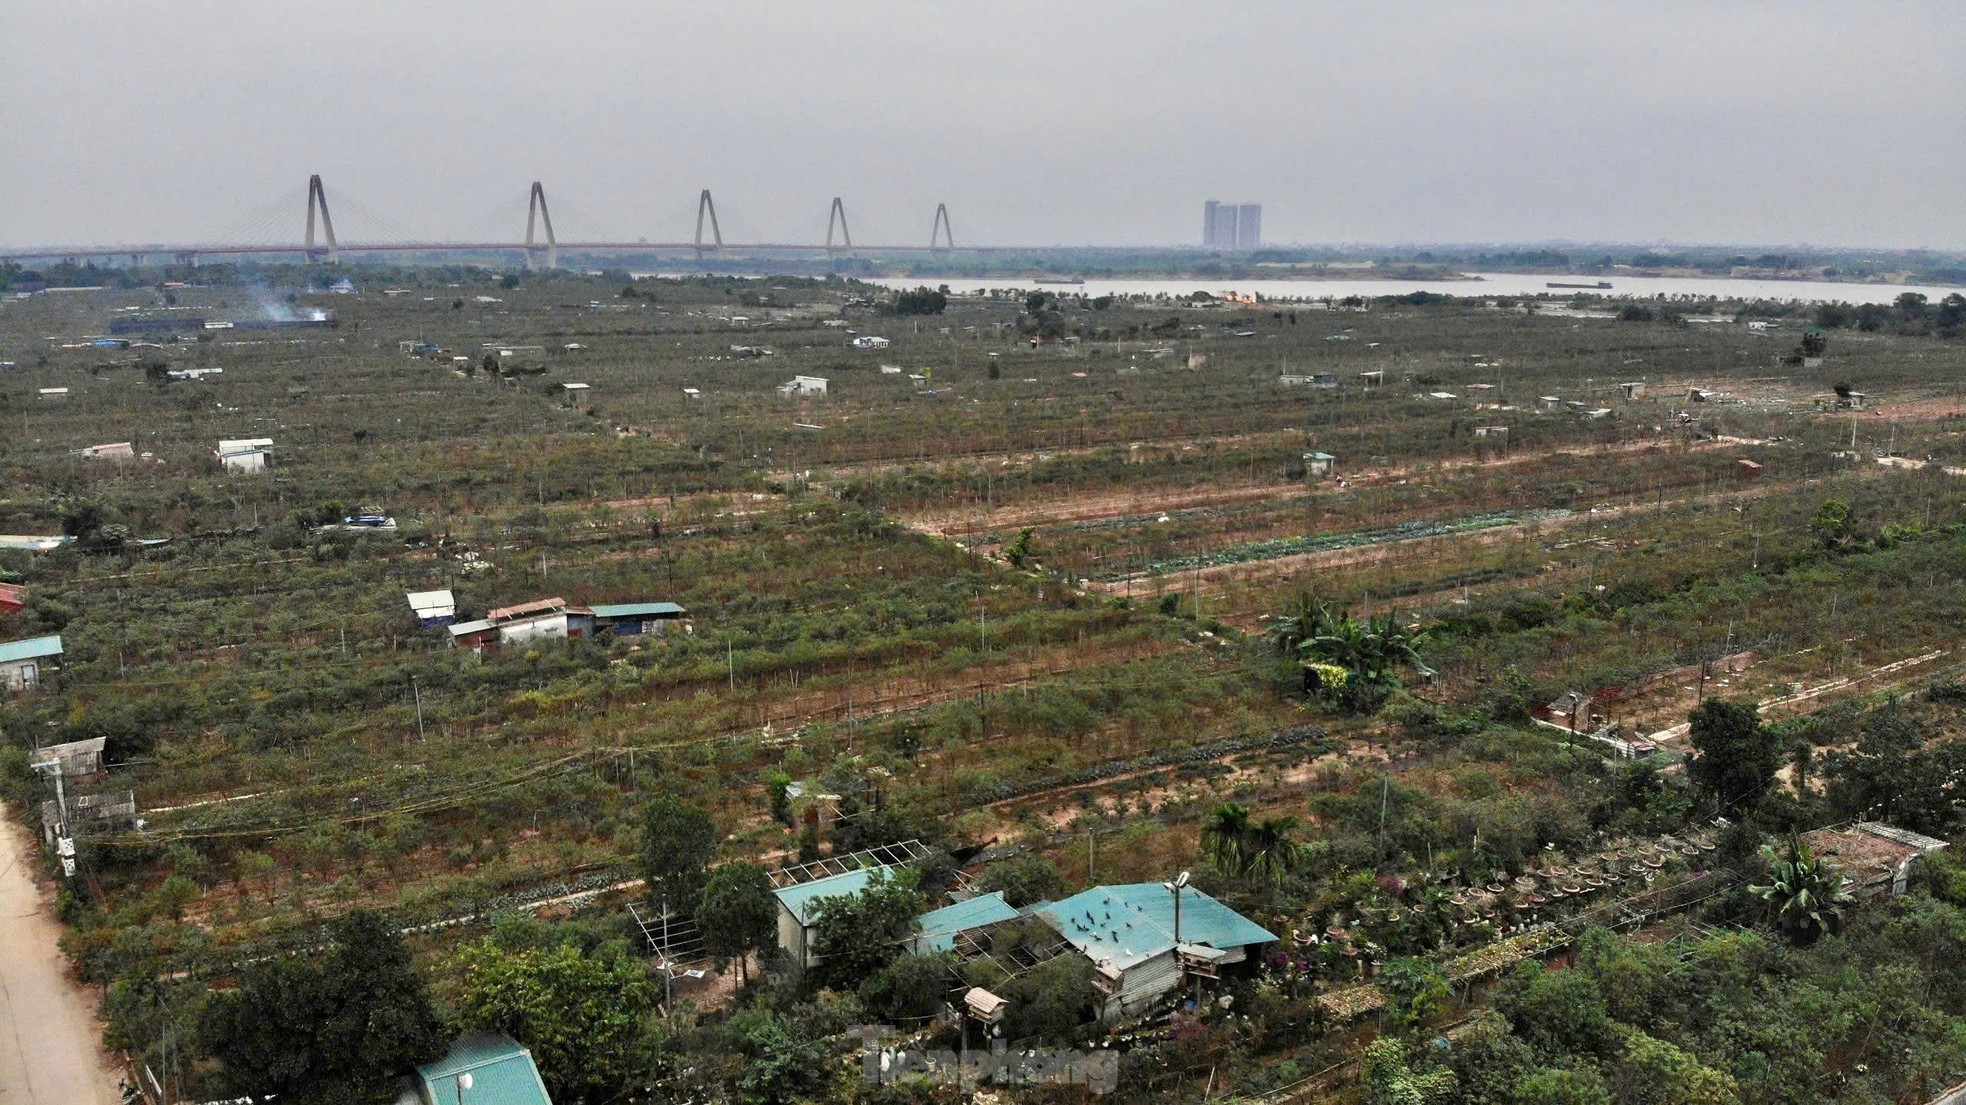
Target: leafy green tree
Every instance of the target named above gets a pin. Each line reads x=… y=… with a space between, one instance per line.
x=1024 y=879
x=1737 y=755
x=922 y=301
x=1561 y=1086
x=585 y=1015
x=781 y=798
x=1051 y=1001
x=342 y=1031
x=1654 y=1072
x=1416 y=989
x=737 y=914
x=1489 y=1062
x=1832 y=523
x=781 y=1063
x=174 y=894
x=678 y=842
x=1558 y=1013
x=1806 y=894
x=854 y=934
x=912 y=987
x=1018 y=552
x=1391 y=1080
x=1899 y=772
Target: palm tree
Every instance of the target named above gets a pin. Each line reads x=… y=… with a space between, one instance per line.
x=1226 y=836
x=1268 y=851
x=1807 y=893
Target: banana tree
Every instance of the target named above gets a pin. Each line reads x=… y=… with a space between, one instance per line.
x=1808 y=895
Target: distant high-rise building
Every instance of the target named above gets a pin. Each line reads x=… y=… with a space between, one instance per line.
x=1231 y=225
x=1249 y=226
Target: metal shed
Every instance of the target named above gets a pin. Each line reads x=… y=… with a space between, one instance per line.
x=24 y=663
x=628 y=618
x=433 y=607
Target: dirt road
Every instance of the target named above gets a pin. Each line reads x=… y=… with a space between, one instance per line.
x=49 y=1053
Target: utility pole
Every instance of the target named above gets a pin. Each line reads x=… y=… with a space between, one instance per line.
x=418 y=693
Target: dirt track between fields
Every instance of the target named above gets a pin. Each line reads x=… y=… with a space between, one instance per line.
x=49 y=1044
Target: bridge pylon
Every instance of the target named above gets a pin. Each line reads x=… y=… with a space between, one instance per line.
x=707 y=206
x=536 y=211
x=838 y=213
x=317 y=196
x=941 y=229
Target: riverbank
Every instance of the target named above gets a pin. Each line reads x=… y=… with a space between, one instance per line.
x=1482 y=284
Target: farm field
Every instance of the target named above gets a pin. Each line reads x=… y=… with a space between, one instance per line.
x=1010 y=584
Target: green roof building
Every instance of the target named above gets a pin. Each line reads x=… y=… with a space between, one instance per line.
x=797 y=913
x=481 y=1069
x=937 y=929
x=1130 y=934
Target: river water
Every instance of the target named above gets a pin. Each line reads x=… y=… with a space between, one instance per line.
x=1487 y=284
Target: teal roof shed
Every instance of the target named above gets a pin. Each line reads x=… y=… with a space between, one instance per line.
x=939 y=927
x=799 y=900
x=1124 y=926
x=33 y=648
x=501 y=1070
x=637 y=610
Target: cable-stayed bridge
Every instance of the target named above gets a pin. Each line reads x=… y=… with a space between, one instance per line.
x=276 y=230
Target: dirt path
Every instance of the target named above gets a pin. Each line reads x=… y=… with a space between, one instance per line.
x=49 y=1050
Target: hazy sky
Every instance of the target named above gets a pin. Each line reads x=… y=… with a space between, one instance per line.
x=1038 y=123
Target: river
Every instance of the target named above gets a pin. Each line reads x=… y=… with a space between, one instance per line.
x=1486 y=284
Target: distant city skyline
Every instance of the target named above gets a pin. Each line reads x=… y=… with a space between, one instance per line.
x=1526 y=121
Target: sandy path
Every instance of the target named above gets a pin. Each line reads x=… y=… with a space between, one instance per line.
x=49 y=1051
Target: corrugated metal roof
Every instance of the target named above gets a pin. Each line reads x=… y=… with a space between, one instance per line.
x=462 y=628
x=799 y=899
x=939 y=927
x=1130 y=924
x=536 y=606
x=502 y=1073
x=638 y=610
x=31 y=649
x=435 y=601
x=31 y=543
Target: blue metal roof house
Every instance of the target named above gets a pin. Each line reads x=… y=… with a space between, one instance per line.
x=1129 y=934
x=23 y=664
x=481 y=1069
